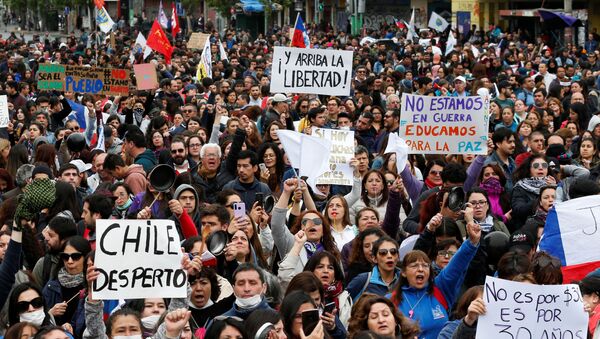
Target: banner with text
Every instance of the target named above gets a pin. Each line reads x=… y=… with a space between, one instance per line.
x=444 y=125
x=520 y=310
x=342 y=150
x=107 y=81
x=313 y=71
x=138 y=259
x=4 y=115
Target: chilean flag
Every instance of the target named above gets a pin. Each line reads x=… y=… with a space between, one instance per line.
x=572 y=234
x=300 y=38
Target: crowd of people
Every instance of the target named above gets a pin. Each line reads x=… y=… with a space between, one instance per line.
x=300 y=262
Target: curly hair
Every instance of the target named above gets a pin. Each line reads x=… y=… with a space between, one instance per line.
x=360 y=316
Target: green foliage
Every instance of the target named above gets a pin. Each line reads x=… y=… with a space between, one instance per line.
x=221 y=6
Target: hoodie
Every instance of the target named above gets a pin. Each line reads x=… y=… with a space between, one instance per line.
x=135 y=177
x=594 y=120
x=195 y=216
x=146 y=159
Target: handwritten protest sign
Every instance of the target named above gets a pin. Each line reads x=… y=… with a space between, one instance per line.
x=197 y=40
x=4 y=117
x=145 y=76
x=570 y=241
x=51 y=77
x=314 y=71
x=138 y=259
x=108 y=81
x=342 y=150
x=444 y=125
x=519 y=310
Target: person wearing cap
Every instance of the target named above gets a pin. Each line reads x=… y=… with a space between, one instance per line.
x=460 y=87
x=186 y=211
x=42 y=171
x=522 y=242
x=280 y=105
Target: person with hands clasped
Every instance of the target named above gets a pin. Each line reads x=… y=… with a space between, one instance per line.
x=427 y=299
x=317 y=234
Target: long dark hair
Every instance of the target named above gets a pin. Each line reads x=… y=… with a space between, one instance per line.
x=384 y=192
x=276 y=178
x=357 y=255
x=523 y=171
x=80 y=244
x=13 y=299
x=289 y=307
x=315 y=260
x=17 y=156
x=67 y=201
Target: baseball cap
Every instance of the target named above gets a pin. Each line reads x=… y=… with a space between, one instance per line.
x=279 y=97
x=521 y=241
x=460 y=78
x=81 y=166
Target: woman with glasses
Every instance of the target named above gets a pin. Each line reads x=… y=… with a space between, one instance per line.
x=384 y=275
x=482 y=215
x=530 y=177
x=62 y=293
x=427 y=299
x=310 y=233
x=26 y=304
x=194 y=144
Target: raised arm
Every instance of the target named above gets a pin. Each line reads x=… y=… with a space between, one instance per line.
x=413 y=186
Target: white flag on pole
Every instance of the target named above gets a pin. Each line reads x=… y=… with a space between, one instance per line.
x=450 y=43
x=437 y=22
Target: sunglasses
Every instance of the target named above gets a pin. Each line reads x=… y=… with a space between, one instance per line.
x=385 y=251
x=390 y=182
x=315 y=221
x=23 y=306
x=175 y=151
x=537 y=165
x=66 y=256
x=435 y=172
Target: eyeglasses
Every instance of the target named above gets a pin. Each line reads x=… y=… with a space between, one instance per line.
x=446 y=253
x=194 y=145
x=315 y=221
x=432 y=172
x=23 y=306
x=175 y=151
x=478 y=203
x=390 y=182
x=417 y=265
x=66 y=256
x=537 y=165
x=304 y=106
x=385 y=251
x=188 y=110
x=75 y=128
x=388 y=116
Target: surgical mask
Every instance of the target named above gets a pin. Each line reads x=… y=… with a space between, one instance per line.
x=248 y=303
x=135 y=336
x=125 y=205
x=150 y=321
x=35 y=317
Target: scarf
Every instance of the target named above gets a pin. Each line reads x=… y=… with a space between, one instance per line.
x=532 y=185
x=487 y=225
x=494 y=189
x=430 y=184
x=69 y=280
x=312 y=248
x=333 y=291
x=374 y=202
x=541 y=214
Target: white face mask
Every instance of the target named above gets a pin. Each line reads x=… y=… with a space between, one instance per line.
x=248 y=302
x=150 y=321
x=135 y=336
x=35 y=317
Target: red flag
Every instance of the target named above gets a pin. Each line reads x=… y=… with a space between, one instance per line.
x=158 y=41
x=99 y=3
x=174 y=21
